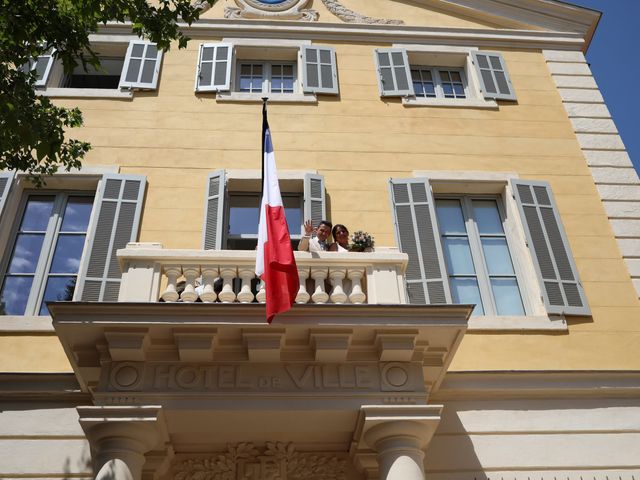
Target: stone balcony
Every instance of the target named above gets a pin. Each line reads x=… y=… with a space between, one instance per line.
x=152 y=273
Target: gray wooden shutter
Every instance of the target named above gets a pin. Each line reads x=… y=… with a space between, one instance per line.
x=6 y=180
x=394 y=74
x=115 y=222
x=319 y=71
x=493 y=75
x=314 y=199
x=42 y=66
x=141 y=66
x=214 y=211
x=417 y=236
x=214 y=67
x=557 y=273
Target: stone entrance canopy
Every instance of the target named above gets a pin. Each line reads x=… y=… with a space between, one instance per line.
x=344 y=379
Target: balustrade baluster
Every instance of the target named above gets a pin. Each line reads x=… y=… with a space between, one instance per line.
x=172 y=272
x=246 y=275
x=209 y=275
x=261 y=296
x=189 y=294
x=303 y=296
x=319 y=275
x=356 y=295
x=337 y=292
x=227 y=294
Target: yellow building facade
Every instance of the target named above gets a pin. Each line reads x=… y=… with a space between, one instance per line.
x=523 y=202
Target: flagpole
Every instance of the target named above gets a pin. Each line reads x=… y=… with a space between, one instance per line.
x=265 y=125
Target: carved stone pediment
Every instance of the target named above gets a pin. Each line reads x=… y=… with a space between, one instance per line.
x=283 y=9
x=274 y=461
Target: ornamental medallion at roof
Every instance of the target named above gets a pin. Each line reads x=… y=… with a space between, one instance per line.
x=285 y=9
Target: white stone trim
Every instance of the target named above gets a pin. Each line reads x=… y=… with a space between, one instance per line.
x=613 y=173
x=25 y=323
x=243 y=97
x=86 y=93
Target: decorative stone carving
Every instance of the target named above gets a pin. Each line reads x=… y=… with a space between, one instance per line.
x=202 y=5
x=276 y=461
x=283 y=9
x=349 y=16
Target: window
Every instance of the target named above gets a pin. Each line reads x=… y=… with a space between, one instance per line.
x=438 y=82
x=477 y=256
x=286 y=69
x=135 y=64
x=266 y=77
x=232 y=207
x=461 y=247
x=62 y=244
x=442 y=76
x=46 y=251
x=244 y=216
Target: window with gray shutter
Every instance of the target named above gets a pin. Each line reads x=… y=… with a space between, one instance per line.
x=214 y=67
x=6 y=180
x=394 y=74
x=557 y=273
x=319 y=71
x=214 y=211
x=141 y=66
x=416 y=235
x=314 y=199
x=493 y=75
x=116 y=220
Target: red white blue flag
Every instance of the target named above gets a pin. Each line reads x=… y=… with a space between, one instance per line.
x=275 y=262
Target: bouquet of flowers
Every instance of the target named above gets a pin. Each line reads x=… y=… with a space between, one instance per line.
x=361 y=240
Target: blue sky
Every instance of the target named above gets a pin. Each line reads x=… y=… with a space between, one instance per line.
x=615 y=63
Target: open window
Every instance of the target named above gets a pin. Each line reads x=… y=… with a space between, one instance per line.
x=441 y=76
x=233 y=205
x=284 y=70
x=464 y=248
x=123 y=66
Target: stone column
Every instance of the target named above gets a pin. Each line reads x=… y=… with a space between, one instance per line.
x=120 y=437
x=398 y=435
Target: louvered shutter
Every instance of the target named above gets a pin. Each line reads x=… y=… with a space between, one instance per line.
x=493 y=75
x=557 y=273
x=214 y=67
x=115 y=222
x=6 y=180
x=394 y=74
x=314 y=199
x=214 y=211
x=141 y=66
x=417 y=236
x=319 y=71
x=42 y=66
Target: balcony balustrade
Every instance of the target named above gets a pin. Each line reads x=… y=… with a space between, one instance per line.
x=152 y=273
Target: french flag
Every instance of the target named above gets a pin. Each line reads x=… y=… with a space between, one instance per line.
x=275 y=263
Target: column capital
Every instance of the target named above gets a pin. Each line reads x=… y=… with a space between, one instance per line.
x=398 y=435
x=120 y=436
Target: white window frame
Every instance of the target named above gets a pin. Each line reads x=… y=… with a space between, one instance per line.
x=234 y=95
x=477 y=253
x=473 y=92
x=437 y=80
x=496 y=184
x=267 y=76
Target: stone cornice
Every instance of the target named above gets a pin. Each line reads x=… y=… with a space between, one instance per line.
x=530 y=39
x=52 y=387
x=327 y=315
x=538 y=384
